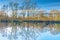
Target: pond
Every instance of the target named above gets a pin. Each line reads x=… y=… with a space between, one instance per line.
x=29 y=31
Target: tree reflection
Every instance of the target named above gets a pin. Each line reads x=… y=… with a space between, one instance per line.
x=14 y=31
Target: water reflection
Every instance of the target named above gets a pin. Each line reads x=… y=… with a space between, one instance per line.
x=29 y=31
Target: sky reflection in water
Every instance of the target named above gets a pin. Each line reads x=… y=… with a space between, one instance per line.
x=29 y=31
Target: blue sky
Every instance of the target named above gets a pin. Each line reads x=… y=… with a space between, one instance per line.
x=41 y=4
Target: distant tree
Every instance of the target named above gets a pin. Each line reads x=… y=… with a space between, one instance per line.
x=14 y=8
x=41 y=13
x=55 y=14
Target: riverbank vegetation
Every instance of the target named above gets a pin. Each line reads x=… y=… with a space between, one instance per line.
x=53 y=15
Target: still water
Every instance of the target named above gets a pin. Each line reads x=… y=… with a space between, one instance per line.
x=29 y=31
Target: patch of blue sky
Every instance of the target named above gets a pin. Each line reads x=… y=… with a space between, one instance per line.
x=40 y=4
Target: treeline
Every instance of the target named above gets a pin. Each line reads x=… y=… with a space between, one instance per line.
x=39 y=15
